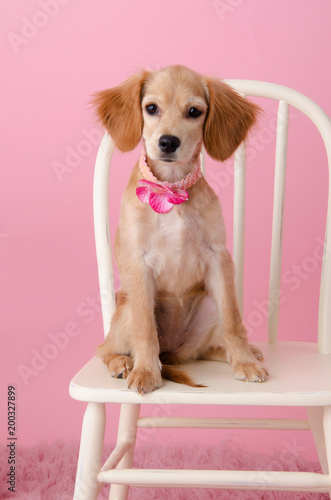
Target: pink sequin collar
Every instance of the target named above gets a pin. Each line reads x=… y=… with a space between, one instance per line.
x=163 y=195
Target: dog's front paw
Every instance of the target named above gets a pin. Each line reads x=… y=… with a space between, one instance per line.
x=144 y=381
x=250 y=372
x=120 y=366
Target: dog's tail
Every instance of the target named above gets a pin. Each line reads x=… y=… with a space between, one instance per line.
x=170 y=372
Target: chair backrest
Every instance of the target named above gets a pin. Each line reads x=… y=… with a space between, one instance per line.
x=286 y=97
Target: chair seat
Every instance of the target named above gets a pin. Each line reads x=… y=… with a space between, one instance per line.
x=299 y=376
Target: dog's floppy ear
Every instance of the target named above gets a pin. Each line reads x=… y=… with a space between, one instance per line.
x=119 y=110
x=229 y=118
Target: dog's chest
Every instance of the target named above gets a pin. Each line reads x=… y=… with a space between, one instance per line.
x=174 y=250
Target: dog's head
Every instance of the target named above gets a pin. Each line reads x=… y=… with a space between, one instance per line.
x=174 y=109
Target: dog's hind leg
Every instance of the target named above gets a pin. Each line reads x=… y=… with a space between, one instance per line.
x=215 y=354
x=219 y=354
x=242 y=357
x=115 y=350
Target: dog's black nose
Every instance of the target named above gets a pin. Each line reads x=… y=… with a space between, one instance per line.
x=169 y=143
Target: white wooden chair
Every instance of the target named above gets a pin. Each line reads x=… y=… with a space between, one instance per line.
x=290 y=383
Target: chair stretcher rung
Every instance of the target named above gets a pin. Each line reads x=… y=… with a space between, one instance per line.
x=222 y=423
x=253 y=480
x=117 y=454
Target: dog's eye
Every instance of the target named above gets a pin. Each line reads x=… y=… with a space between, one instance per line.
x=194 y=113
x=152 y=109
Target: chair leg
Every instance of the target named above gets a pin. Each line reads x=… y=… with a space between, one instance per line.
x=315 y=418
x=127 y=431
x=90 y=452
x=327 y=433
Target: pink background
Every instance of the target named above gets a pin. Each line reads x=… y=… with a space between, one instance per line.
x=55 y=55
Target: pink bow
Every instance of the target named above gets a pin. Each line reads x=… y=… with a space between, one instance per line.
x=161 y=198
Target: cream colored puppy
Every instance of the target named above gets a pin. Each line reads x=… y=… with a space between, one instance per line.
x=177 y=298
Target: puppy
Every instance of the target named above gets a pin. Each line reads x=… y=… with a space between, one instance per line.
x=177 y=300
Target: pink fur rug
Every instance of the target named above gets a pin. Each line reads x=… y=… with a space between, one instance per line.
x=47 y=471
